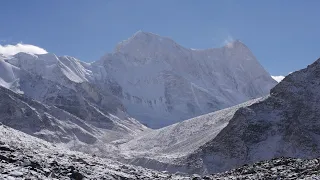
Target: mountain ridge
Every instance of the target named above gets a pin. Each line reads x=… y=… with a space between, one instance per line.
x=147 y=72
x=282 y=124
x=153 y=61
x=91 y=107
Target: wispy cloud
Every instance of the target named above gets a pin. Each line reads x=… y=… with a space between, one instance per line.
x=278 y=78
x=228 y=41
x=9 y=50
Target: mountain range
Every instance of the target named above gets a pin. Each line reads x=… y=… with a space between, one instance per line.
x=212 y=110
x=156 y=80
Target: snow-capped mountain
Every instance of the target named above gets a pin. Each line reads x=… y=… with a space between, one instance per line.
x=56 y=108
x=284 y=123
x=161 y=82
x=154 y=79
x=91 y=107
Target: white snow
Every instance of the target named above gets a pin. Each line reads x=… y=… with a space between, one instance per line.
x=211 y=79
x=159 y=82
x=180 y=139
x=147 y=73
x=9 y=76
x=278 y=78
x=44 y=153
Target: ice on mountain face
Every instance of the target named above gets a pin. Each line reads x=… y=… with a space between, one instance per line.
x=166 y=83
x=9 y=76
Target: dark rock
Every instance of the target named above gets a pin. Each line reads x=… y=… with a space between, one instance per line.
x=196 y=178
x=80 y=160
x=76 y=176
x=124 y=167
x=71 y=168
x=206 y=178
x=34 y=165
x=6 y=148
x=61 y=155
x=54 y=163
x=10 y=160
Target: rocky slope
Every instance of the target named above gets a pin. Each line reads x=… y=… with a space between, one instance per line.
x=282 y=124
x=162 y=148
x=41 y=78
x=25 y=157
x=279 y=168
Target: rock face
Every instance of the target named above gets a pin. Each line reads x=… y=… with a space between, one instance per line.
x=285 y=124
x=161 y=82
x=280 y=168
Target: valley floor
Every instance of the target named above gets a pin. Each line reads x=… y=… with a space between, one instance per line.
x=25 y=157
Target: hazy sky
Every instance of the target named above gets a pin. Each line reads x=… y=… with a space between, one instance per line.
x=283 y=35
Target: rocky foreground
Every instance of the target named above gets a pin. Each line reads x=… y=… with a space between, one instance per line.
x=25 y=157
x=280 y=168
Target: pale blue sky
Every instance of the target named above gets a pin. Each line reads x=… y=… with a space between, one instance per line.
x=284 y=35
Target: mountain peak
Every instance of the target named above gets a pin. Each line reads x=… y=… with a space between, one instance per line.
x=235 y=44
x=142 y=39
x=141 y=33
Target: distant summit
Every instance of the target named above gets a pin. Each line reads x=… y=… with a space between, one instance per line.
x=163 y=82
